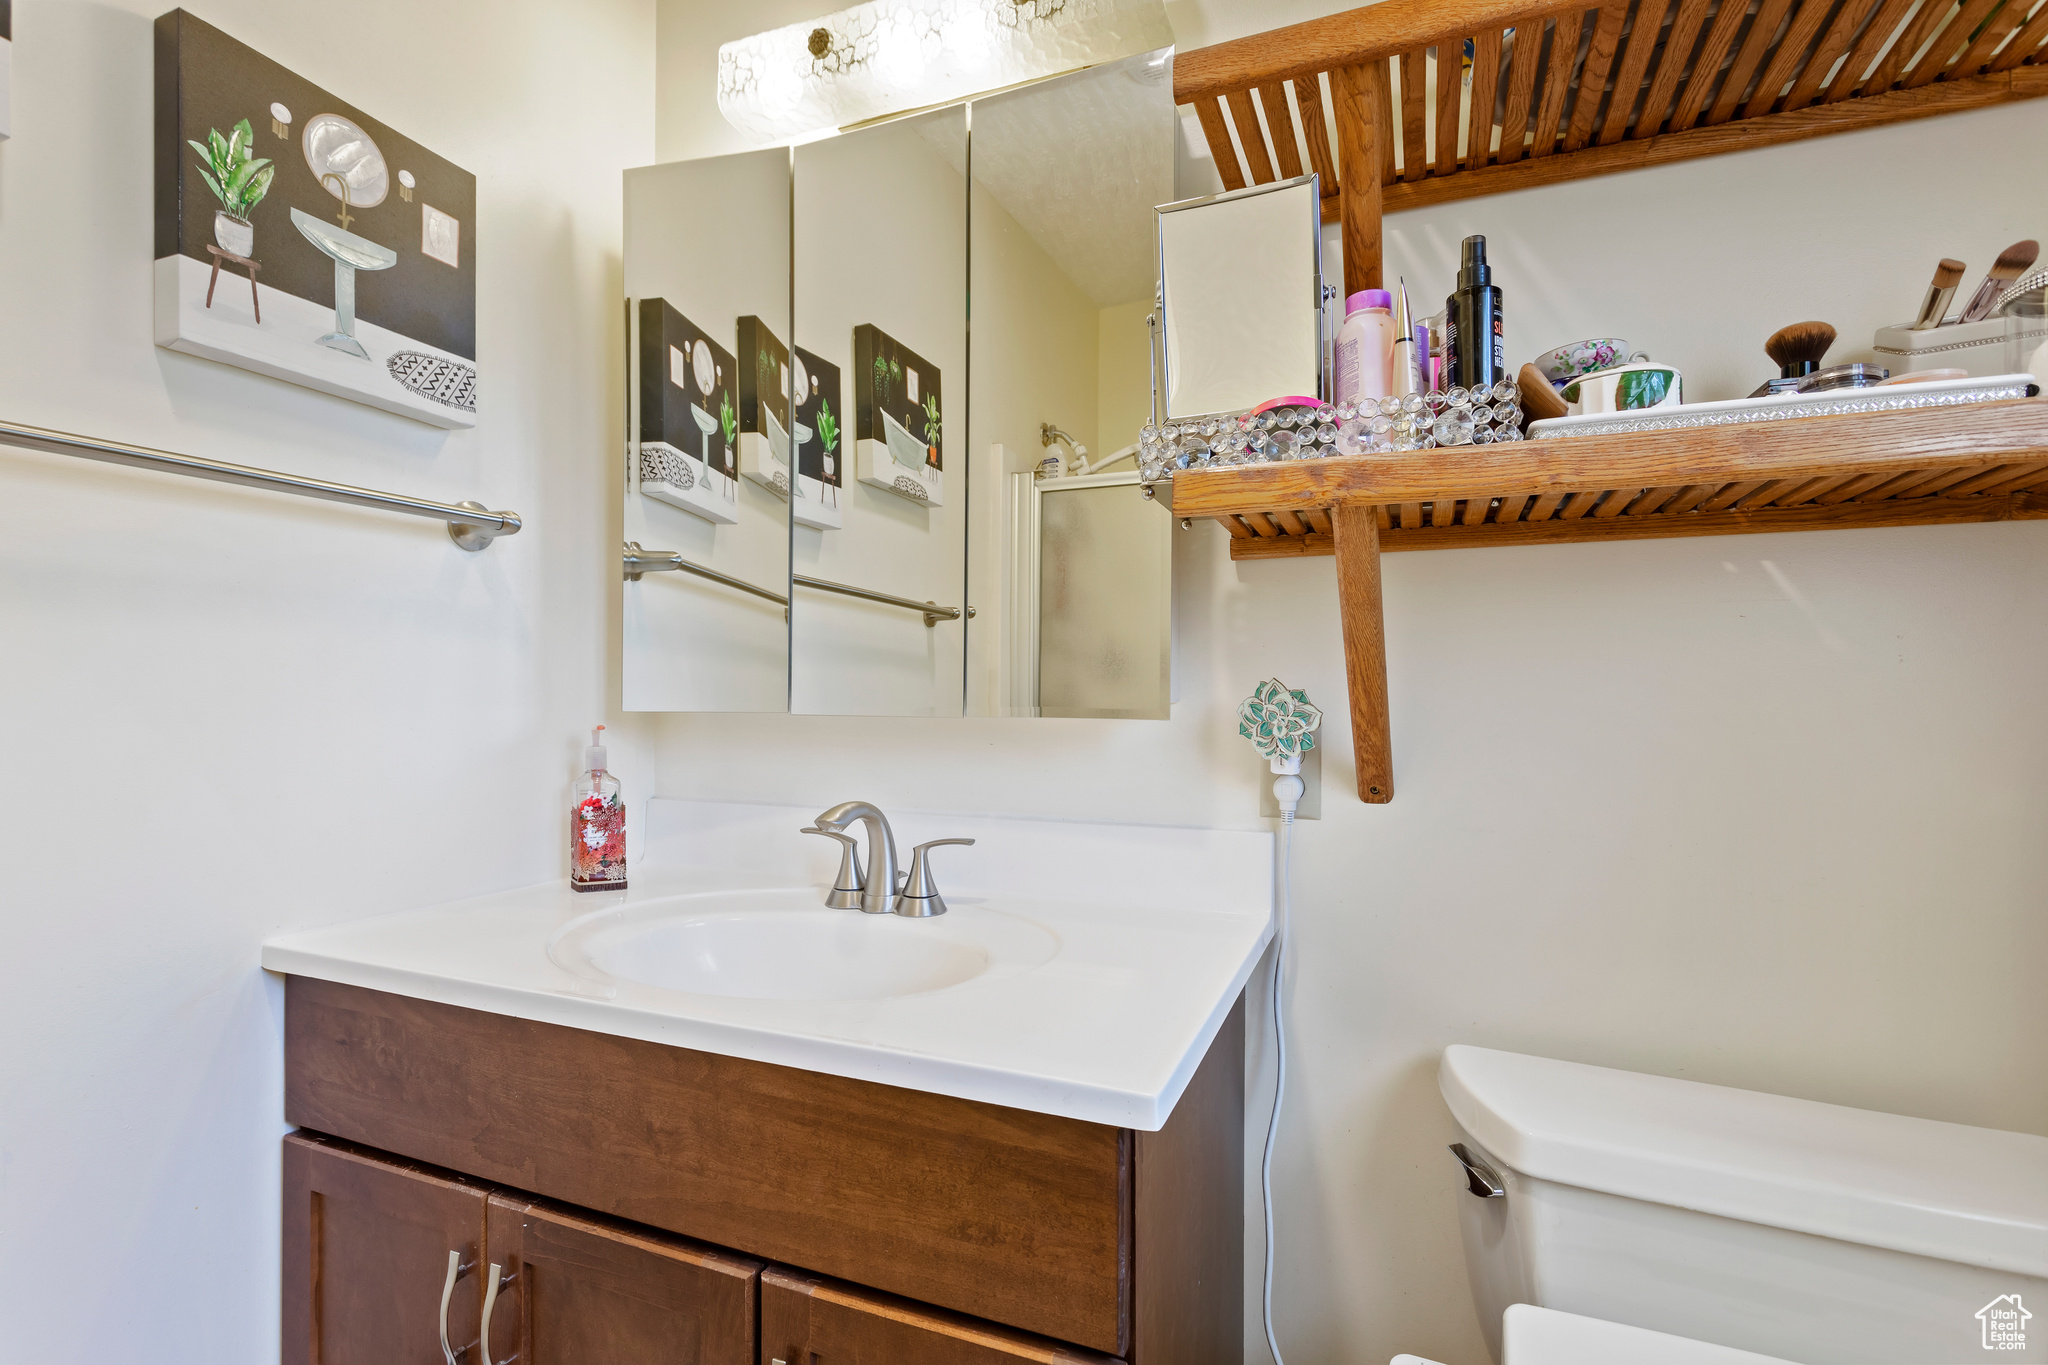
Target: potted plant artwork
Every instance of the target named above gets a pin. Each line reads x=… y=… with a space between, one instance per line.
x=816 y=412
x=239 y=179
x=828 y=434
x=896 y=425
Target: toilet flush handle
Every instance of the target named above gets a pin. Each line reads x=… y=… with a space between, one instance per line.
x=1480 y=1178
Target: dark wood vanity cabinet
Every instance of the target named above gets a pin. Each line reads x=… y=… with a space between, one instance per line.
x=367 y=1279
x=863 y=1223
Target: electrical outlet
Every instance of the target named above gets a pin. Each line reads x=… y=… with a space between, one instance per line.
x=1311 y=807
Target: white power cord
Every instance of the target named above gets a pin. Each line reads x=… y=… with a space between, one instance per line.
x=1287 y=789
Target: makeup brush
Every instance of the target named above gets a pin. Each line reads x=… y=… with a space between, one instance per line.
x=1797 y=350
x=1540 y=399
x=2010 y=265
x=1947 y=276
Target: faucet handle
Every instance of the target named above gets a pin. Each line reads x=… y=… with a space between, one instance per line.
x=847 y=886
x=920 y=895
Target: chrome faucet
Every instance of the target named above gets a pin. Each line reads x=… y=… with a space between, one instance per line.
x=879 y=890
x=878 y=883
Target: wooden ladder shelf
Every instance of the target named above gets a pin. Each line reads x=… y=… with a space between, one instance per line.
x=1983 y=462
x=1538 y=93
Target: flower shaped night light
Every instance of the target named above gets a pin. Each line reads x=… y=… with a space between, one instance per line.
x=1279 y=721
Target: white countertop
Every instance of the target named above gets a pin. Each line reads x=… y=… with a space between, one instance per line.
x=1158 y=930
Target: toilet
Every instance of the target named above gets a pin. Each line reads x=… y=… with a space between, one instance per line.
x=1781 y=1227
x=1544 y=1336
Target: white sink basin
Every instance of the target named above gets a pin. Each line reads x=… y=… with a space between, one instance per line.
x=781 y=945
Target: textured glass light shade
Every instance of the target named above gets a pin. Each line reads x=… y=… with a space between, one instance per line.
x=889 y=56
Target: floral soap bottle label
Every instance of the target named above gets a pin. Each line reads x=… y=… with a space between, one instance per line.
x=598 y=855
x=597 y=825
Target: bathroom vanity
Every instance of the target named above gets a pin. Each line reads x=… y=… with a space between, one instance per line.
x=1041 y=1162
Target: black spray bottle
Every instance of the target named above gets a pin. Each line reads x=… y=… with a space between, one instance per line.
x=1477 y=341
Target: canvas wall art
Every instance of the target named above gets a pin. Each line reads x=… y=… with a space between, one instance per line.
x=689 y=415
x=764 y=405
x=820 y=409
x=897 y=420
x=299 y=237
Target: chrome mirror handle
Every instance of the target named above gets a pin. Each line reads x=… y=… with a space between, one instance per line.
x=847 y=886
x=920 y=898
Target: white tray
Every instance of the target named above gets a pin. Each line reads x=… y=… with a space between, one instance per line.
x=1940 y=393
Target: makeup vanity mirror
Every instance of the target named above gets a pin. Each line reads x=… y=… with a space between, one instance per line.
x=1228 y=349
x=707 y=435
x=831 y=516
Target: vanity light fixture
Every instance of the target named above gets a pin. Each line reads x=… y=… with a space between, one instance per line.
x=889 y=57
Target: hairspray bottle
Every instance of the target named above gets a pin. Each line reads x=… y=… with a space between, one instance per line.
x=1477 y=343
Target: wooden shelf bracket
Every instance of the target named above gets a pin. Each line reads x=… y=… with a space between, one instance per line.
x=1355 y=529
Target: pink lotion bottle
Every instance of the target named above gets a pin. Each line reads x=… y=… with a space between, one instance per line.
x=597 y=825
x=1365 y=347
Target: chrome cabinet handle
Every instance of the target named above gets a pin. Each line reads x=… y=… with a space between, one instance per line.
x=920 y=896
x=1480 y=1178
x=455 y=1269
x=491 y=1302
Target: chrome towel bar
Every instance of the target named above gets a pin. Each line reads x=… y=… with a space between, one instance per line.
x=470 y=524
x=932 y=611
x=639 y=562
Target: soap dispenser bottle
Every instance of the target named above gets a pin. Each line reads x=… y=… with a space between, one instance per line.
x=597 y=825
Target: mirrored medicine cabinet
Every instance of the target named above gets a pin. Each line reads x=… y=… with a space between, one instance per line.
x=848 y=365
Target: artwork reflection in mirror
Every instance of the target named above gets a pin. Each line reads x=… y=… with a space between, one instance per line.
x=878 y=620
x=820 y=409
x=1073 y=564
x=707 y=284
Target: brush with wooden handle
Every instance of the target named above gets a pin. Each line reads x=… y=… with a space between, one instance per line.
x=1934 y=308
x=2010 y=265
x=1539 y=398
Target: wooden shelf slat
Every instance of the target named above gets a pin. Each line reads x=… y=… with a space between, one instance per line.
x=1450 y=91
x=1890 y=14
x=1833 y=44
x=1934 y=511
x=1280 y=123
x=1950 y=39
x=1485 y=83
x=1685 y=28
x=2026 y=45
x=1699 y=87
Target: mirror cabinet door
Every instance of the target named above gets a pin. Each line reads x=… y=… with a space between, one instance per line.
x=1072 y=574
x=708 y=435
x=880 y=266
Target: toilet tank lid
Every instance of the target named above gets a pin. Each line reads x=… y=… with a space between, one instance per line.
x=1978 y=1196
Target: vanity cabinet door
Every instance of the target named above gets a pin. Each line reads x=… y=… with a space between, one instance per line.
x=366 y=1258
x=574 y=1287
x=809 y=1320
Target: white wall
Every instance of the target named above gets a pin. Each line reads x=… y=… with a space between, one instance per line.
x=1761 y=811
x=223 y=712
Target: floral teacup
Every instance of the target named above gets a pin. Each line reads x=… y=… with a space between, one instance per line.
x=1566 y=363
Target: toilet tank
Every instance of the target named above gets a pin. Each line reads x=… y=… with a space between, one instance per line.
x=1815 y=1232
